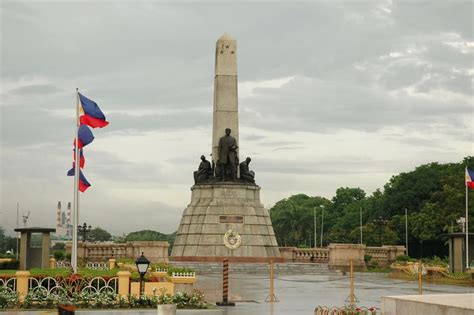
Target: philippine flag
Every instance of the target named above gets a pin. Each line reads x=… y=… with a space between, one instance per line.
x=83 y=183
x=93 y=116
x=82 y=159
x=85 y=136
x=469 y=178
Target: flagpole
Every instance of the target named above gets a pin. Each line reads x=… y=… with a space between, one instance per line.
x=75 y=216
x=467 y=225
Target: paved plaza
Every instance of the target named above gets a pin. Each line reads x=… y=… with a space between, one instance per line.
x=297 y=294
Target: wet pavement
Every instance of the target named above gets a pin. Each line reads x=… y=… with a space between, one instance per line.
x=297 y=294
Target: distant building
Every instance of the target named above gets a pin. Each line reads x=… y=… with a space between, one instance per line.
x=63 y=222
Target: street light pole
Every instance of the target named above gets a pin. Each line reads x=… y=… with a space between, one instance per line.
x=84 y=229
x=360 y=210
x=322 y=224
x=406 y=230
x=315 y=232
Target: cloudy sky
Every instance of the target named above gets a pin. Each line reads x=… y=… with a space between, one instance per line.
x=331 y=94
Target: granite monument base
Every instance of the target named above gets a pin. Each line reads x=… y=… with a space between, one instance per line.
x=225 y=220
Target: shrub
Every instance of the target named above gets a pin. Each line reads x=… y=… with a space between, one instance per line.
x=58 y=254
x=437 y=261
x=8 y=299
x=367 y=258
x=402 y=259
x=11 y=265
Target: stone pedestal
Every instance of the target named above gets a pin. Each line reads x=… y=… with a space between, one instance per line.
x=340 y=256
x=217 y=208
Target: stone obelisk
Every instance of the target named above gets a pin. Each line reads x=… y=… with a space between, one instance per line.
x=225 y=218
x=226 y=110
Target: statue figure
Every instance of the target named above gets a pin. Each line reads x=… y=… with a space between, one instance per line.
x=246 y=175
x=204 y=172
x=227 y=157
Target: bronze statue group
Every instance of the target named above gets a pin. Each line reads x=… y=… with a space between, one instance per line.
x=225 y=168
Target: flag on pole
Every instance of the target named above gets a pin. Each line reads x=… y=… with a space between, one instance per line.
x=469 y=178
x=82 y=159
x=83 y=183
x=93 y=116
x=85 y=136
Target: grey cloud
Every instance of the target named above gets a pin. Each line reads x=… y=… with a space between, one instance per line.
x=158 y=58
x=35 y=90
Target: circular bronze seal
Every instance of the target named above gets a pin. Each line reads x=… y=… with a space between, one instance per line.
x=232 y=239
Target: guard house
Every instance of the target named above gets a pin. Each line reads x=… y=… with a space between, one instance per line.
x=34 y=254
x=457 y=251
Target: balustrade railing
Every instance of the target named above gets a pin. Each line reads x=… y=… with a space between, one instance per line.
x=379 y=254
x=311 y=254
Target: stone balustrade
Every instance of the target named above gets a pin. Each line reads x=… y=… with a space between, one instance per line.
x=311 y=254
x=336 y=254
x=155 y=251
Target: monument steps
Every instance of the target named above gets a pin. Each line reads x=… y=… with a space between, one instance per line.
x=256 y=268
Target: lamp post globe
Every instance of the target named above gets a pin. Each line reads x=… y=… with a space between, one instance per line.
x=142 y=266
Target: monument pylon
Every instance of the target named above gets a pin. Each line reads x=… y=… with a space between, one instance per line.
x=225 y=218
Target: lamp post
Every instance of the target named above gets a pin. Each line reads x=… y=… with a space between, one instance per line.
x=84 y=230
x=315 y=231
x=360 y=212
x=142 y=266
x=406 y=230
x=322 y=224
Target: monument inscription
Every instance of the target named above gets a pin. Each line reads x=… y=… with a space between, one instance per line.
x=231 y=219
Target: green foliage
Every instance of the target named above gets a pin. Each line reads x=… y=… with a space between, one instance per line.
x=8 y=299
x=436 y=261
x=7 y=272
x=14 y=264
x=149 y=235
x=402 y=259
x=6 y=242
x=433 y=194
x=59 y=246
x=160 y=265
x=185 y=300
x=59 y=254
x=367 y=258
x=292 y=219
x=99 y=235
x=172 y=269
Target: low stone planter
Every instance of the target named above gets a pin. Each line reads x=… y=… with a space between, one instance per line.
x=159 y=274
x=182 y=277
x=166 y=309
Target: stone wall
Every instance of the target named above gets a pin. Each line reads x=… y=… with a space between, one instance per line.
x=155 y=251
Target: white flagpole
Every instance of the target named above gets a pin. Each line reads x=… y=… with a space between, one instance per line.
x=75 y=216
x=467 y=223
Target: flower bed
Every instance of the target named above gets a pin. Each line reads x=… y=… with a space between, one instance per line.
x=101 y=300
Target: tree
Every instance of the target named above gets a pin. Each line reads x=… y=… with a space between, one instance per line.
x=99 y=235
x=292 y=219
x=6 y=242
x=150 y=235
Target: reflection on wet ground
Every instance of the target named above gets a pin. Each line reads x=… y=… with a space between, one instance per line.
x=297 y=294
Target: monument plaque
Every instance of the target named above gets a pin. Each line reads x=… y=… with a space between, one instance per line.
x=231 y=219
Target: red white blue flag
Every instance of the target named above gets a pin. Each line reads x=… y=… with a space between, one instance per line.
x=469 y=178
x=82 y=159
x=83 y=183
x=85 y=136
x=93 y=116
